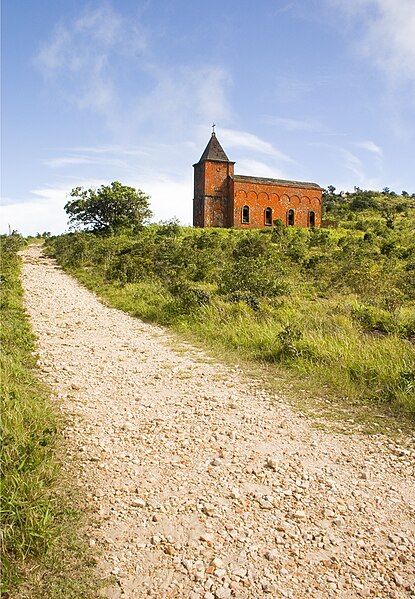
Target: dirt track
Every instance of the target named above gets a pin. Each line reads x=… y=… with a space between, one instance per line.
x=204 y=486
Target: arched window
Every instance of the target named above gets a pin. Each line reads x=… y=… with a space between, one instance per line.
x=290 y=218
x=268 y=216
x=311 y=218
x=245 y=215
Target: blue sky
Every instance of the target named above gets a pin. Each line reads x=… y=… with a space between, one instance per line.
x=318 y=90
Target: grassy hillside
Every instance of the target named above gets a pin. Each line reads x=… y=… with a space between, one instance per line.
x=335 y=305
x=40 y=557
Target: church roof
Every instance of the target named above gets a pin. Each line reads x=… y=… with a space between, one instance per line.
x=282 y=182
x=214 y=151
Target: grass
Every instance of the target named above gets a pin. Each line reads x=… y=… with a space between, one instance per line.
x=334 y=371
x=41 y=554
x=334 y=308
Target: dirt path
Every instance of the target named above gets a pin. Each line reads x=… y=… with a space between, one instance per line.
x=204 y=486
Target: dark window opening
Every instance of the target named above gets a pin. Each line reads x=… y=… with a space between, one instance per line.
x=268 y=216
x=245 y=215
x=290 y=218
x=311 y=219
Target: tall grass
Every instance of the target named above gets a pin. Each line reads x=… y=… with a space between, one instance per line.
x=40 y=555
x=337 y=307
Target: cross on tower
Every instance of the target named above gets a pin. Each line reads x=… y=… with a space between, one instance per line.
x=213 y=127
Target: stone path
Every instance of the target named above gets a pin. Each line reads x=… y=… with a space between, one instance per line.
x=202 y=484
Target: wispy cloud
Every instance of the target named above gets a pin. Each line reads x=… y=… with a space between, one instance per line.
x=242 y=139
x=259 y=169
x=82 y=160
x=104 y=62
x=352 y=163
x=284 y=8
x=388 y=34
x=294 y=124
x=370 y=146
x=345 y=158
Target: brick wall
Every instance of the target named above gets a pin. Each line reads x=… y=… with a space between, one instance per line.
x=259 y=196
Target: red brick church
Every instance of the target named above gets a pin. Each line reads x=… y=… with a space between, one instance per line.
x=223 y=199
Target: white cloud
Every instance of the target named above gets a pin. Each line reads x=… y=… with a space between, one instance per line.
x=103 y=24
x=170 y=197
x=258 y=169
x=103 y=62
x=294 y=124
x=79 y=59
x=370 y=146
x=35 y=215
x=180 y=100
x=345 y=159
x=353 y=163
x=388 y=38
x=249 y=141
x=64 y=161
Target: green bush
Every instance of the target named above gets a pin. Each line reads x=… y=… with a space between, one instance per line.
x=374 y=318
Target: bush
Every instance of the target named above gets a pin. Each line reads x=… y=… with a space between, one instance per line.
x=244 y=296
x=374 y=319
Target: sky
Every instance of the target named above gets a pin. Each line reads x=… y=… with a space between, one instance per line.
x=127 y=90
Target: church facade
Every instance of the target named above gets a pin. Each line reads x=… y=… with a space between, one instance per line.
x=223 y=199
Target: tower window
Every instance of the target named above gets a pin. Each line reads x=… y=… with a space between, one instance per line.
x=290 y=218
x=311 y=219
x=245 y=215
x=268 y=216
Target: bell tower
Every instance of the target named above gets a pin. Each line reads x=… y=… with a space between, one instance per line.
x=212 y=204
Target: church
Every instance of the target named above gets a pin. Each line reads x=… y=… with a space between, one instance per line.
x=223 y=199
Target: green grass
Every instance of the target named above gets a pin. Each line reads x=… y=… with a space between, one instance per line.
x=41 y=554
x=325 y=354
x=333 y=309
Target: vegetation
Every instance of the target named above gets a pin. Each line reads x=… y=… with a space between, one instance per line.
x=40 y=556
x=109 y=208
x=336 y=305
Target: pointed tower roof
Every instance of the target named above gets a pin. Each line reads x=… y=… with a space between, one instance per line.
x=214 y=151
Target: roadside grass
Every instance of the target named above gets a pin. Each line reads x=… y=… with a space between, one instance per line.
x=332 y=308
x=43 y=552
x=329 y=368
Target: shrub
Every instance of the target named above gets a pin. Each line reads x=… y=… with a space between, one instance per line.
x=374 y=319
x=244 y=296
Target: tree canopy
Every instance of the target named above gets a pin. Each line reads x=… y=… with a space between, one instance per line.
x=109 y=208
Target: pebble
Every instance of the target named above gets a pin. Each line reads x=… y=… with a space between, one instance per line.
x=240 y=572
x=222 y=593
x=272 y=464
x=272 y=554
x=217 y=562
x=138 y=502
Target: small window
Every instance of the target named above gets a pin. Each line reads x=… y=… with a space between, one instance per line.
x=268 y=216
x=311 y=219
x=290 y=218
x=245 y=215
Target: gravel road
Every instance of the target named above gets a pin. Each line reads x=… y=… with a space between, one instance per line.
x=203 y=486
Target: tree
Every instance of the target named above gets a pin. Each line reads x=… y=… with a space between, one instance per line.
x=109 y=208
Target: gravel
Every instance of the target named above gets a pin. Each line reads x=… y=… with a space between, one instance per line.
x=202 y=484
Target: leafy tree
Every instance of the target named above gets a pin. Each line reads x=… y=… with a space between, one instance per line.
x=109 y=208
